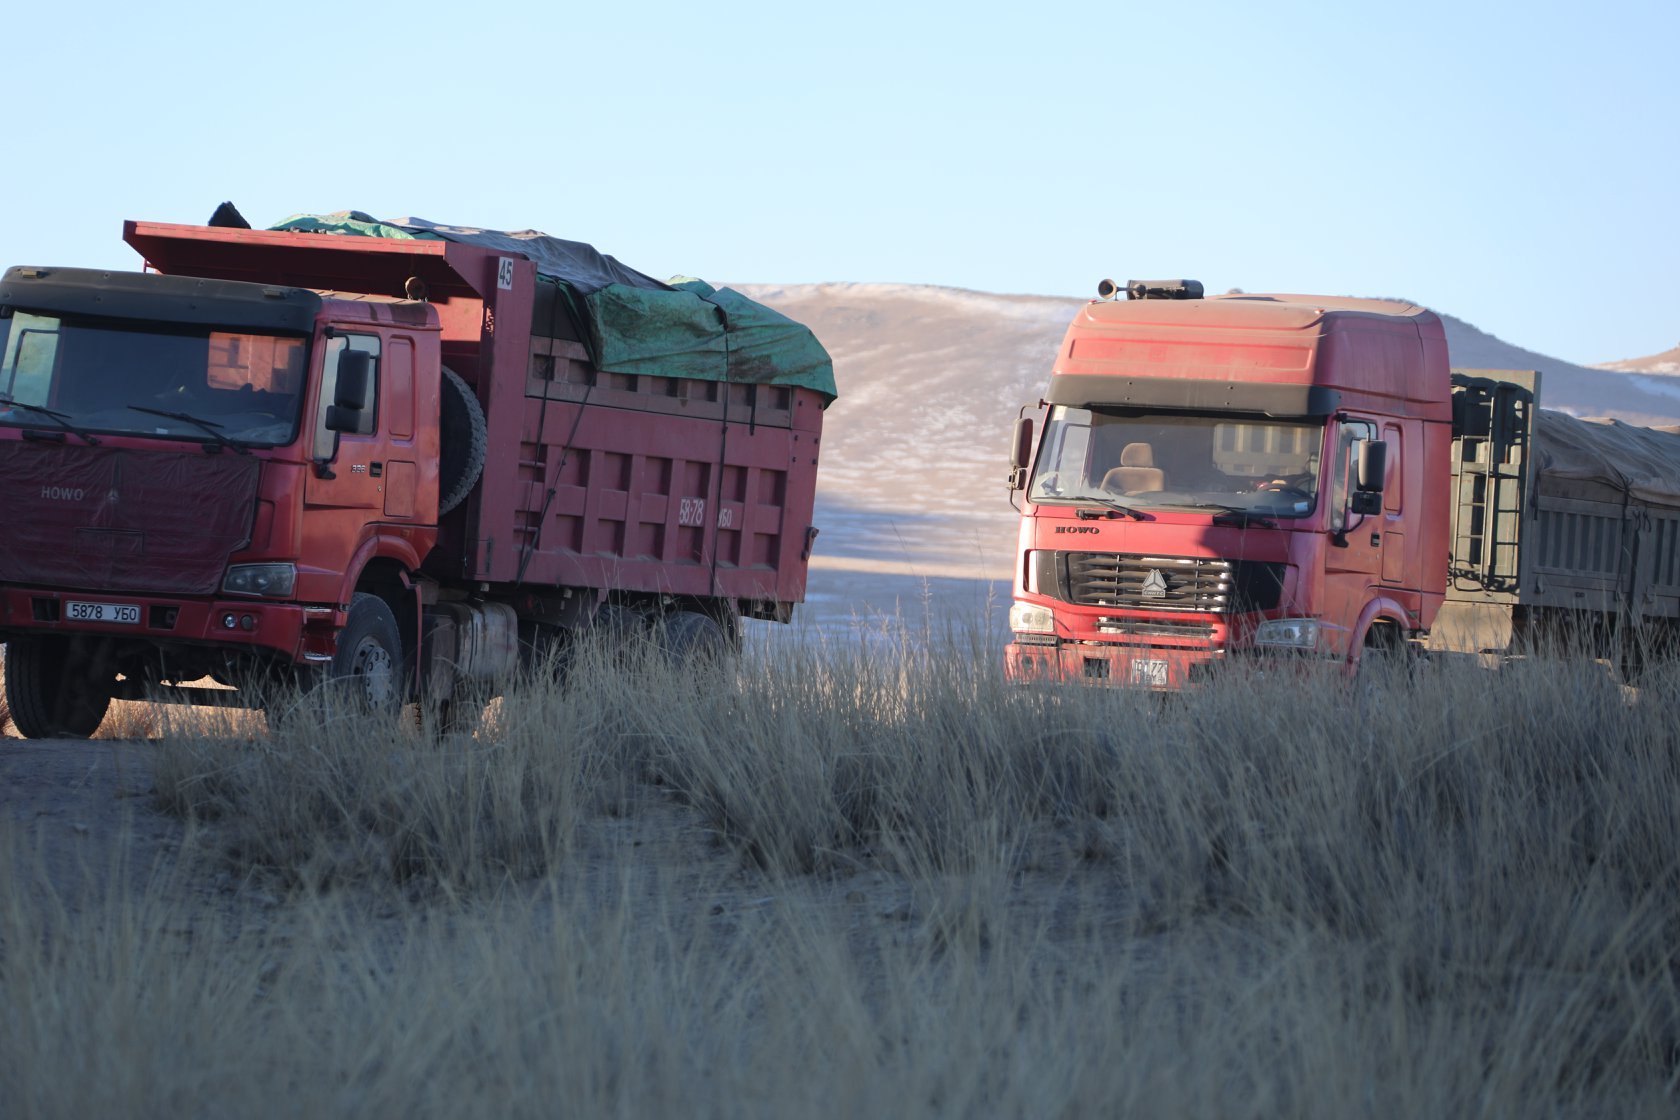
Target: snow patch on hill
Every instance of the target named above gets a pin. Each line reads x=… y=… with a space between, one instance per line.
x=1668 y=362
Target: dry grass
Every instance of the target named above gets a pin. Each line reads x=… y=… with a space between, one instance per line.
x=878 y=880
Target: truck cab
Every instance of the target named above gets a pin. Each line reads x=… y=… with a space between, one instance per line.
x=1239 y=476
x=195 y=470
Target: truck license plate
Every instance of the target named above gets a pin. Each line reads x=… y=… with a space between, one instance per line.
x=126 y=613
x=1150 y=674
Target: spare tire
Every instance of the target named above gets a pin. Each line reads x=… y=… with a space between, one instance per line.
x=462 y=441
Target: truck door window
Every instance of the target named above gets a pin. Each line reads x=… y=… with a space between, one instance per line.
x=1064 y=453
x=326 y=441
x=1393 y=480
x=399 y=389
x=1348 y=433
x=30 y=349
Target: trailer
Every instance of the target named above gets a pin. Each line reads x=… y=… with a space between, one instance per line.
x=1563 y=529
x=405 y=456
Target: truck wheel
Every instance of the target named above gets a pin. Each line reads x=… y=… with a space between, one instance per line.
x=546 y=652
x=463 y=440
x=617 y=633
x=49 y=696
x=369 y=661
x=1385 y=663
x=692 y=638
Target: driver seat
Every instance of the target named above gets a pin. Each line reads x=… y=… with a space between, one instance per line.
x=1136 y=473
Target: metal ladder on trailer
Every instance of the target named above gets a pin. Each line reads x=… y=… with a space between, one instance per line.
x=1493 y=431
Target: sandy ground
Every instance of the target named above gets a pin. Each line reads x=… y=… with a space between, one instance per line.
x=88 y=808
x=92 y=833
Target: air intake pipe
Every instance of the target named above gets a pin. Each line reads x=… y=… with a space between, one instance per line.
x=1151 y=289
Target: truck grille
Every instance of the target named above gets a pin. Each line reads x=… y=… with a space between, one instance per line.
x=1163 y=583
x=1188 y=629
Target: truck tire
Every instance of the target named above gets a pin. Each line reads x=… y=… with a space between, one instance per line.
x=368 y=667
x=692 y=638
x=48 y=696
x=616 y=633
x=463 y=439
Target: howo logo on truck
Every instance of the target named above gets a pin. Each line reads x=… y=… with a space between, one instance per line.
x=1077 y=529
x=62 y=494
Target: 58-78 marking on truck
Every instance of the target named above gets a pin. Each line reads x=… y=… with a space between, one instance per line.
x=691 y=514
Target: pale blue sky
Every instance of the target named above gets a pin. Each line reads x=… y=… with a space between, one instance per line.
x=1515 y=164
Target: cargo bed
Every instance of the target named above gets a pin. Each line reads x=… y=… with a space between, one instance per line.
x=1557 y=523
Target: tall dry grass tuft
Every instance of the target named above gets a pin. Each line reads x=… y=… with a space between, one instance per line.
x=1443 y=890
x=335 y=795
x=652 y=992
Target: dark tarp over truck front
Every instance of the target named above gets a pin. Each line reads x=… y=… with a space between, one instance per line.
x=122 y=520
x=630 y=323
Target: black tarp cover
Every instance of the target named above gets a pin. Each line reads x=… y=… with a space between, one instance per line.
x=630 y=322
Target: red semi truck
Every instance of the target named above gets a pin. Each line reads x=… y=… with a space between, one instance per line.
x=400 y=456
x=1249 y=475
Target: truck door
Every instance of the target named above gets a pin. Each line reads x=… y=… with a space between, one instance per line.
x=1353 y=562
x=344 y=475
x=374 y=467
x=364 y=476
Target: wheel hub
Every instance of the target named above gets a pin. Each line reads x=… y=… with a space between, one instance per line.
x=373 y=671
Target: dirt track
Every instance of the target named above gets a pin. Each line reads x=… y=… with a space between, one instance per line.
x=79 y=800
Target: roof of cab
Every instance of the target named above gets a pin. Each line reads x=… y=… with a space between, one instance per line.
x=1250 y=311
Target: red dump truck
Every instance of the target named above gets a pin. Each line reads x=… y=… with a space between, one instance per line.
x=1254 y=475
x=397 y=454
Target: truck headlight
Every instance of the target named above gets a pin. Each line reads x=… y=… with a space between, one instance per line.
x=1031 y=618
x=272 y=581
x=1288 y=633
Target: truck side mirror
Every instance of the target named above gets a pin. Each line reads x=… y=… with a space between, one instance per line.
x=1372 y=471
x=342 y=419
x=355 y=369
x=1020 y=453
x=1369 y=474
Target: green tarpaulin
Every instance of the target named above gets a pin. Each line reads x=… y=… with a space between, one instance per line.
x=630 y=322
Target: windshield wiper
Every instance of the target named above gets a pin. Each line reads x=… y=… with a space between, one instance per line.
x=1116 y=507
x=209 y=427
x=1237 y=516
x=62 y=419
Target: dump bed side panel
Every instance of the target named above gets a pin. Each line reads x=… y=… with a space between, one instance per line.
x=1657 y=576
x=657 y=484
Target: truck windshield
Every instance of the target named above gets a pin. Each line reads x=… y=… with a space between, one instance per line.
x=1245 y=464
x=247 y=387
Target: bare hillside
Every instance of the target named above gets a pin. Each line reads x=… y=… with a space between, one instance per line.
x=1620 y=391
x=931 y=379
x=1666 y=362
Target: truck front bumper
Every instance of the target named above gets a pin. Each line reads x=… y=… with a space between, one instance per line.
x=292 y=631
x=1034 y=658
